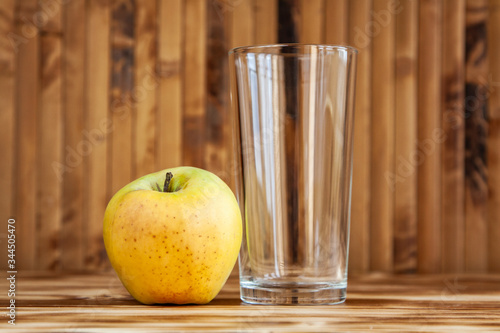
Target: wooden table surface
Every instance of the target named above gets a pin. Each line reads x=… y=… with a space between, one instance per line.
x=98 y=303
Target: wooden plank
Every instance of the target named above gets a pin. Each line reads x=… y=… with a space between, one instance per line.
x=452 y=213
x=312 y=21
x=494 y=139
x=71 y=243
x=235 y=26
x=7 y=119
x=97 y=126
x=242 y=20
x=194 y=83
x=359 y=248
x=123 y=93
x=288 y=25
x=50 y=128
x=218 y=130
x=266 y=21
x=337 y=21
x=375 y=303
x=145 y=88
x=405 y=214
x=382 y=141
x=28 y=89
x=170 y=25
x=476 y=131
x=428 y=154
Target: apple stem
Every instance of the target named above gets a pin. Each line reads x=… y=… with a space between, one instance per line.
x=168 y=178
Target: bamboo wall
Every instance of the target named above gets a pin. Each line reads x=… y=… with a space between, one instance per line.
x=95 y=93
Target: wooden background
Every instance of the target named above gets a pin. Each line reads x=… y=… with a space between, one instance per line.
x=94 y=93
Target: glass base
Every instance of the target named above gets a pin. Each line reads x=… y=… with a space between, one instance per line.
x=293 y=294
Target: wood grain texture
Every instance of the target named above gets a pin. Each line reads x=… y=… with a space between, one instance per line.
x=428 y=155
x=50 y=148
x=453 y=79
x=72 y=241
x=123 y=94
x=405 y=189
x=97 y=125
x=7 y=118
x=378 y=303
x=494 y=139
x=266 y=21
x=241 y=18
x=194 y=93
x=336 y=22
x=218 y=131
x=145 y=89
x=27 y=93
x=170 y=80
x=288 y=26
x=476 y=133
x=382 y=140
x=359 y=258
x=312 y=22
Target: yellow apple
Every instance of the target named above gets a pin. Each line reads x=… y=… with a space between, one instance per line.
x=173 y=236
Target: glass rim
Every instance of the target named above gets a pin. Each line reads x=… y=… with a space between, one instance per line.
x=261 y=49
